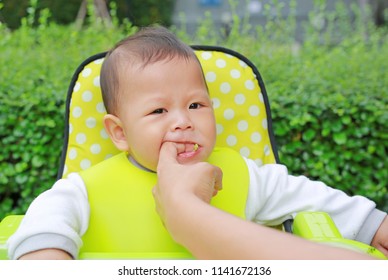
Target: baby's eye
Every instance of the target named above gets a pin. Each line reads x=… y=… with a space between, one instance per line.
x=158 y=111
x=194 y=106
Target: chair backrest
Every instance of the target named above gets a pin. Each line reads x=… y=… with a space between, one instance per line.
x=235 y=86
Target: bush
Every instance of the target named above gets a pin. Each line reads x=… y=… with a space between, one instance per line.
x=328 y=99
x=36 y=69
x=139 y=12
x=331 y=117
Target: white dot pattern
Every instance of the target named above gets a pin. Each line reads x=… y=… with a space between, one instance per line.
x=91 y=122
x=88 y=140
x=231 y=140
x=216 y=103
x=86 y=72
x=237 y=100
x=87 y=96
x=210 y=77
x=225 y=88
x=239 y=106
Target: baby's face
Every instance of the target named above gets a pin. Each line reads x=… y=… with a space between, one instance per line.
x=167 y=101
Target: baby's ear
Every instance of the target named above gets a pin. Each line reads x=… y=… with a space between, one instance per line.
x=115 y=130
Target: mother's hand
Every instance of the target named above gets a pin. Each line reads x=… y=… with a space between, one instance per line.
x=178 y=184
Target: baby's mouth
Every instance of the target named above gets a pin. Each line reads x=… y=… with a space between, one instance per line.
x=190 y=150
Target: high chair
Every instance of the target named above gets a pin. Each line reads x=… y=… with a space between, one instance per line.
x=237 y=91
x=243 y=120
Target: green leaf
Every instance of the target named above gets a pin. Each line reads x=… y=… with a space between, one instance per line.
x=340 y=138
x=308 y=135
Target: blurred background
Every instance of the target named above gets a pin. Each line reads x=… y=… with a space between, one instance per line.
x=187 y=12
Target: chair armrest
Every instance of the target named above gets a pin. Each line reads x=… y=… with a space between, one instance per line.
x=7 y=227
x=318 y=226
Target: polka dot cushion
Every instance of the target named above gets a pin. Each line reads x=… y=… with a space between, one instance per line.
x=238 y=102
x=239 y=106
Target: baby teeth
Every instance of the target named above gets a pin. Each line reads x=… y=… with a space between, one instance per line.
x=195 y=147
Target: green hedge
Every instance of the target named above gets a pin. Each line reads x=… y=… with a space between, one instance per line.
x=331 y=117
x=330 y=111
x=35 y=71
x=329 y=102
x=139 y=12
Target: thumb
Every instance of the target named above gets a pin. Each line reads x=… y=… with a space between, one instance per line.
x=168 y=153
x=217 y=180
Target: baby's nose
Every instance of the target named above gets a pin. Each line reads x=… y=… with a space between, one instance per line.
x=182 y=121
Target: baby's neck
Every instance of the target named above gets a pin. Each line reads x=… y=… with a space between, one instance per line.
x=138 y=165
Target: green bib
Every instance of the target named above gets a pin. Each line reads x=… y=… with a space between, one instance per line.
x=123 y=221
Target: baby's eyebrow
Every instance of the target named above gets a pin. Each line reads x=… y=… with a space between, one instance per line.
x=157 y=99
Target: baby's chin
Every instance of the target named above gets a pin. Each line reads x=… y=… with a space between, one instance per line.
x=188 y=161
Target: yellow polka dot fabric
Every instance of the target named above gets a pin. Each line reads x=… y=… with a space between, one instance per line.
x=237 y=99
x=238 y=104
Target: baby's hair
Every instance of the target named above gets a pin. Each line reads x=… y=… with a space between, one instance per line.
x=147 y=46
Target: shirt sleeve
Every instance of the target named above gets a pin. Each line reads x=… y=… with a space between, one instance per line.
x=275 y=196
x=55 y=219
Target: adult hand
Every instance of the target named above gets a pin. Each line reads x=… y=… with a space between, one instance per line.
x=181 y=197
x=178 y=184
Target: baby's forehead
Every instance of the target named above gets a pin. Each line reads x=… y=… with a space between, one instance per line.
x=134 y=71
x=135 y=63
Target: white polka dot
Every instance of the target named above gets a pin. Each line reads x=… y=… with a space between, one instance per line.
x=242 y=125
x=85 y=163
x=86 y=72
x=65 y=170
x=242 y=63
x=108 y=156
x=103 y=134
x=231 y=140
x=91 y=122
x=258 y=162
x=216 y=103
x=80 y=138
x=96 y=81
x=239 y=99
x=255 y=137
x=210 y=77
x=206 y=55
x=221 y=63
x=254 y=110
x=265 y=124
x=245 y=151
x=267 y=150
x=99 y=61
x=77 y=86
x=249 y=85
x=225 y=88
x=101 y=108
x=229 y=114
x=77 y=112
x=95 y=149
x=72 y=153
x=235 y=74
x=70 y=128
x=219 y=129
x=87 y=96
x=261 y=97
